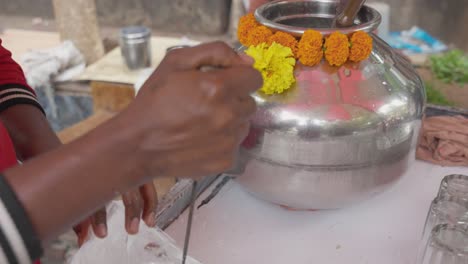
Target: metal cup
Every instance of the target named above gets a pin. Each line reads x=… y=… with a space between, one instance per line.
x=135 y=45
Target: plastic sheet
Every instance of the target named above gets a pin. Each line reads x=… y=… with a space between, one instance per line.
x=149 y=246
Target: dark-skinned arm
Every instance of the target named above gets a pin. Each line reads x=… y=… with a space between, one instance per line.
x=29 y=130
x=52 y=186
x=197 y=132
x=32 y=136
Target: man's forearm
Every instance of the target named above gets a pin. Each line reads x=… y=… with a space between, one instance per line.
x=29 y=130
x=67 y=184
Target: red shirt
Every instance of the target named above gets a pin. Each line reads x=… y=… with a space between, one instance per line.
x=13 y=90
x=7 y=151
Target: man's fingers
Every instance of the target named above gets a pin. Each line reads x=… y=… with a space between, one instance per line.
x=239 y=81
x=243 y=131
x=81 y=231
x=245 y=107
x=215 y=54
x=247 y=59
x=150 y=198
x=99 y=223
x=133 y=209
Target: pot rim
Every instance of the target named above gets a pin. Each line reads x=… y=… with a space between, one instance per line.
x=368 y=18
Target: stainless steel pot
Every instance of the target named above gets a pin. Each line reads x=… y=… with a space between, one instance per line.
x=341 y=135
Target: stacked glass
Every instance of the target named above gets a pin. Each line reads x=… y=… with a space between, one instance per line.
x=445 y=234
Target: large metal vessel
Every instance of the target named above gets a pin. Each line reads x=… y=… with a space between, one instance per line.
x=341 y=135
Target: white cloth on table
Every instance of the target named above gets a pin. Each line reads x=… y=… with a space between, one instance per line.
x=59 y=64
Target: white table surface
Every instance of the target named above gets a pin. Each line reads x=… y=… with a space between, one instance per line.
x=237 y=228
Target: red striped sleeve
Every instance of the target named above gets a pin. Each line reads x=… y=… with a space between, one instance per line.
x=13 y=86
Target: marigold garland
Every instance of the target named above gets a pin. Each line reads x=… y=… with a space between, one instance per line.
x=246 y=24
x=259 y=35
x=310 y=51
x=336 y=48
x=276 y=64
x=361 y=46
x=275 y=54
x=284 y=39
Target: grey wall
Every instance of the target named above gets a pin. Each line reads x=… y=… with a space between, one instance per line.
x=442 y=18
x=27 y=7
x=196 y=16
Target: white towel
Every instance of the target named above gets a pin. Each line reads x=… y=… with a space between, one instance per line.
x=44 y=67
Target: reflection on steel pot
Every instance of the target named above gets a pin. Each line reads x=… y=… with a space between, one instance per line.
x=341 y=135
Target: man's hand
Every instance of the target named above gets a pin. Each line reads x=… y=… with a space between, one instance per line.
x=139 y=204
x=185 y=122
x=195 y=119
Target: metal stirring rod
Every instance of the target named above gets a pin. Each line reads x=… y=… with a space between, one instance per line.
x=348 y=14
x=189 y=222
x=194 y=190
x=194 y=194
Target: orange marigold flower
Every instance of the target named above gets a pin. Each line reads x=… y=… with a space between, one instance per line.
x=246 y=24
x=361 y=46
x=259 y=35
x=310 y=50
x=284 y=39
x=336 y=49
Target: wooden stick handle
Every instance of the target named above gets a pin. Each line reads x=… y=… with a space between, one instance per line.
x=346 y=17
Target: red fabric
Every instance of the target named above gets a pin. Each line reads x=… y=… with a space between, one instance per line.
x=10 y=73
x=7 y=151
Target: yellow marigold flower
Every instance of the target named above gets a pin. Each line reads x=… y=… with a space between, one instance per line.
x=284 y=39
x=361 y=46
x=276 y=64
x=258 y=35
x=246 y=24
x=310 y=50
x=336 y=49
